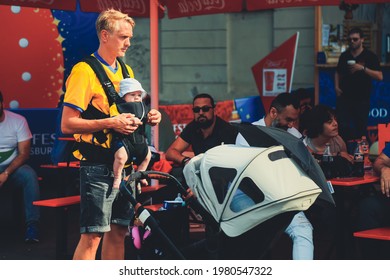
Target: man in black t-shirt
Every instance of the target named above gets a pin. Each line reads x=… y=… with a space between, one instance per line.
x=356 y=68
x=206 y=131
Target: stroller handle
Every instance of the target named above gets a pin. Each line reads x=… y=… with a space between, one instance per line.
x=185 y=191
x=150 y=174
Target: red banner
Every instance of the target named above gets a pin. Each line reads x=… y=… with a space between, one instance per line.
x=134 y=8
x=253 y=5
x=365 y=1
x=68 y=5
x=186 y=8
x=273 y=74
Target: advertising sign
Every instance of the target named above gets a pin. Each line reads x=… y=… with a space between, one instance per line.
x=186 y=8
x=274 y=73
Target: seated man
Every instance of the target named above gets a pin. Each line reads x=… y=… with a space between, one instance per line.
x=15 y=142
x=206 y=131
x=374 y=210
x=283 y=114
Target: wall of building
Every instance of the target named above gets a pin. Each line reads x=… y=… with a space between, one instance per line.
x=215 y=53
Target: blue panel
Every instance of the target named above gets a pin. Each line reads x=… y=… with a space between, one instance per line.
x=249 y=108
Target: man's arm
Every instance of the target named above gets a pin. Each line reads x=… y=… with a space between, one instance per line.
x=72 y=122
x=382 y=168
x=19 y=160
x=175 y=151
x=375 y=74
x=337 y=84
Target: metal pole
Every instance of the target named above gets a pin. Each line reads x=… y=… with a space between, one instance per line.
x=154 y=62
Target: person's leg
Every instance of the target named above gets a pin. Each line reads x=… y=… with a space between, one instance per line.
x=300 y=231
x=113 y=247
x=361 y=120
x=97 y=198
x=119 y=163
x=87 y=247
x=344 y=118
x=26 y=178
x=144 y=165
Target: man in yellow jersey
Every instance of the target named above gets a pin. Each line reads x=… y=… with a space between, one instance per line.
x=104 y=211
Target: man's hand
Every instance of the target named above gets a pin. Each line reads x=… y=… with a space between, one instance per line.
x=154 y=117
x=385 y=181
x=3 y=178
x=125 y=123
x=355 y=67
x=338 y=91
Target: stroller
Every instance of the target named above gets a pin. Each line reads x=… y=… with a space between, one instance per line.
x=246 y=196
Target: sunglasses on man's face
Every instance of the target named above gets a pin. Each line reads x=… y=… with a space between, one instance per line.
x=205 y=109
x=354 y=39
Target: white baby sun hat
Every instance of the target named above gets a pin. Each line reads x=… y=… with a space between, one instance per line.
x=130 y=85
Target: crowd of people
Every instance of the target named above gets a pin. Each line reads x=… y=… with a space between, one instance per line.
x=105 y=214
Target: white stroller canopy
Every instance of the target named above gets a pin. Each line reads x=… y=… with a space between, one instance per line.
x=241 y=187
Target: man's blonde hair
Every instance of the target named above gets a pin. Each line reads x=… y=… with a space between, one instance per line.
x=108 y=20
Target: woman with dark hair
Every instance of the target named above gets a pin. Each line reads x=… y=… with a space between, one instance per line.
x=320 y=127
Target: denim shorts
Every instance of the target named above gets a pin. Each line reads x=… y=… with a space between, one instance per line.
x=101 y=205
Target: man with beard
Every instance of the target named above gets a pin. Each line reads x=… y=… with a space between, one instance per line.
x=356 y=68
x=205 y=132
x=283 y=113
x=15 y=142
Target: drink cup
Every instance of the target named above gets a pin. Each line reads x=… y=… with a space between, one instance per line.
x=269 y=80
x=351 y=62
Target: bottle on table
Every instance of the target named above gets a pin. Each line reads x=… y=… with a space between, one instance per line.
x=365 y=151
x=358 y=160
x=327 y=162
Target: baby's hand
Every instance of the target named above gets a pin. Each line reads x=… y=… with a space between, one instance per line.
x=144 y=182
x=154 y=117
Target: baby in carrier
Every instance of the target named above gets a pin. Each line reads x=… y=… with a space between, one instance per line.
x=131 y=148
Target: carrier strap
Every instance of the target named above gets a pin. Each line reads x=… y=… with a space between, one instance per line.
x=108 y=87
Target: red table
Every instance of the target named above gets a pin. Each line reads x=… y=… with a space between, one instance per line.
x=73 y=164
x=350 y=187
x=66 y=139
x=368 y=178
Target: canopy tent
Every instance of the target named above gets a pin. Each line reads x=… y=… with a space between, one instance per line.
x=155 y=9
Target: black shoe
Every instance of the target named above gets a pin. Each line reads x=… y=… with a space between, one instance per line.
x=32 y=233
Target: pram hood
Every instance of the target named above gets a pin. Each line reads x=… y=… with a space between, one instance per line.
x=241 y=187
x=262 y=136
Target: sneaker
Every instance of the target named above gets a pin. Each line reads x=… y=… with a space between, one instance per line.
x=32 y=233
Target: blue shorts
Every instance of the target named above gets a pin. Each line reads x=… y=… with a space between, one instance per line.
x=100 y=204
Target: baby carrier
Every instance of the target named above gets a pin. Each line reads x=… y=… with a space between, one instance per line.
x=133 y=142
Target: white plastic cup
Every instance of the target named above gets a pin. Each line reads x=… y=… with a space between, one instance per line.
x=351 y=62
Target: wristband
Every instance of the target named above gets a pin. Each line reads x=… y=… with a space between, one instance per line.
x=364 y=69
x=185 y=160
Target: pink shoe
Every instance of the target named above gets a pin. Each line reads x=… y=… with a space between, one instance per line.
x=136 y=235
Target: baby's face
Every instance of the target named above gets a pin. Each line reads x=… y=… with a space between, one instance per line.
x=134 y=96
